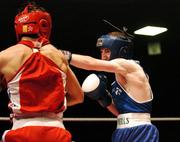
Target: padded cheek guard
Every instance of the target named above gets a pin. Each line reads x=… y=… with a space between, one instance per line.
x=34 y=23
x=119 y=47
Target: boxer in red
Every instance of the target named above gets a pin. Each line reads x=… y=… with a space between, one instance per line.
x=39 y=81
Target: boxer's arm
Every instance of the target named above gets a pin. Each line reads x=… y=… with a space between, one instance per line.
x=90 y=63
x=67 y=55
x=74 y=94
x=113 y=109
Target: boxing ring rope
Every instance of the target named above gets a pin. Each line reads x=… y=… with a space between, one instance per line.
x=115 y=119
x=91 y=119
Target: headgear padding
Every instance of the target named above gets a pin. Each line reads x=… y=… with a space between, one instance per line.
x=35 y=22
x=120 y=47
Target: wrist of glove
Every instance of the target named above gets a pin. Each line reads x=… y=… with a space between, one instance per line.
x=67 y=54
x=105 y=100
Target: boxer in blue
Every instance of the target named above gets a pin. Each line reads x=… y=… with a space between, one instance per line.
x=131 y=96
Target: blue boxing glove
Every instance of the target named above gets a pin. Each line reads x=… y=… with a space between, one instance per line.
x=94 y=86
x=67 y=54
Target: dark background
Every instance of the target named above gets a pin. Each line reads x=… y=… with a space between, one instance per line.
x=76 y=26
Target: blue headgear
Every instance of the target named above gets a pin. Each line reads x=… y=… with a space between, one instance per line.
x=120 y=47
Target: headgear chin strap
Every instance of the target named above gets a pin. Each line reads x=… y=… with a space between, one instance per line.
x=119 y=47
x=36 y=22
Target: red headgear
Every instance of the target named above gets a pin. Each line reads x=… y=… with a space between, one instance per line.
x=33 y=23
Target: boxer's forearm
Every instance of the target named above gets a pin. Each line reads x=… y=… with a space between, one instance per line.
x=90 y=63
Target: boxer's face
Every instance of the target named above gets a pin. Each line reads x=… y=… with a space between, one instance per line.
x=105 y=54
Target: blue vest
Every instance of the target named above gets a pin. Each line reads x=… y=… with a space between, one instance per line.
x=126 y=104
